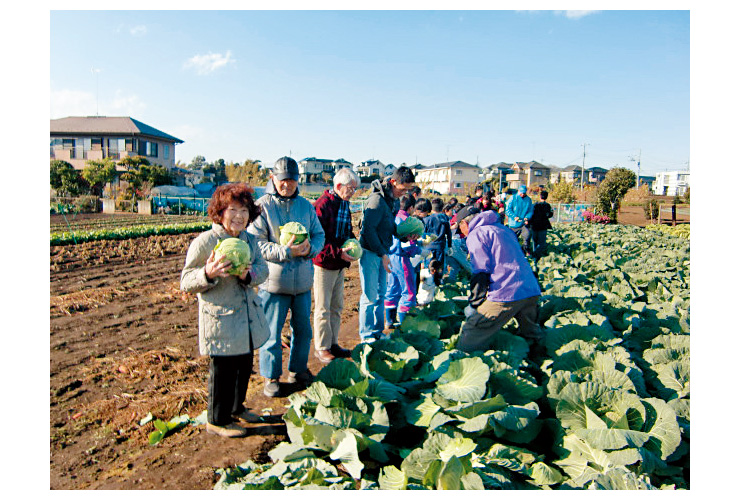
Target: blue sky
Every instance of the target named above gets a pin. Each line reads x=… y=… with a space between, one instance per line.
x=398 y=86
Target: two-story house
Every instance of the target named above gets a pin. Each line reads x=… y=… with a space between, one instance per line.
x=495 y=175
x=573 y=174
x=596 y=175
x=371 y=167
x=76 y=139
x=455 y=177
x=528 y=174
x=674 y=183
x=312 y=167
x=341 y=163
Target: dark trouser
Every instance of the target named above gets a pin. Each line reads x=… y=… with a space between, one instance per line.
x=228 y=378
x=436 y=254
x=479 y=329
x=539 y=243
x=524 y=233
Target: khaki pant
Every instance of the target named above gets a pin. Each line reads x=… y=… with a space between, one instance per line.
x=329 y=299
x=480 y=328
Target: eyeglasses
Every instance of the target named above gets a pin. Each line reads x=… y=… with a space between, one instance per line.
x=350 y=188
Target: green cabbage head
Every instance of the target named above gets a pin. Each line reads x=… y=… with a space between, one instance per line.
x=237 y=251
x=291 y=228
x=354 y=249
x=410 y=225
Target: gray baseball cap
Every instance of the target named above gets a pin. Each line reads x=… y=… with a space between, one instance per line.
x=285 y=168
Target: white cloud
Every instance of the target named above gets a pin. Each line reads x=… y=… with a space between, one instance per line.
x=139 y=30
x=204 y=64
x=575 y=14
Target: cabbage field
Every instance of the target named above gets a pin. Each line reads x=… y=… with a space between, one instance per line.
x=604 y=403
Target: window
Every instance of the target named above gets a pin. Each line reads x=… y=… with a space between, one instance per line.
x=167 y=150
x=458 y=172
x=457 y=185
x=537 y=172
x=147 y=148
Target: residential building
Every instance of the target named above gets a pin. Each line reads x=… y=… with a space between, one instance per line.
x=495 y=175
x=674 y=183
x=341 y=163
x=371 y=167
x=555 y=174
x=596 y=175
x=455 y=177
x=309 y=168
x=528 y=174
x=77 y=139
x=389 y=169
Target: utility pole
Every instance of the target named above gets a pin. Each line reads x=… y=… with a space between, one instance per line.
x=583 y=161
x=638 y=176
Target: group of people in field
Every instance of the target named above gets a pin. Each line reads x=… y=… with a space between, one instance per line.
x=245 y=313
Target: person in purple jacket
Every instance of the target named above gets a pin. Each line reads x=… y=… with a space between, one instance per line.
x=503 y=285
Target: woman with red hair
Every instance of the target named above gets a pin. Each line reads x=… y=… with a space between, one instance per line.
x=231 y=321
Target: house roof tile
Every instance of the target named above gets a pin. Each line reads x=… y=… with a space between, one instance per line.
x=106 y=125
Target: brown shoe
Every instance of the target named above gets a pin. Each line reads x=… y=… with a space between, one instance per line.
x=228 y=430
x=323 y=355
x=248 y=416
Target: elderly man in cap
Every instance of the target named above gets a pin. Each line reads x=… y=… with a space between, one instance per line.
x=291 y=274
x=519 y=211
x=503 y=285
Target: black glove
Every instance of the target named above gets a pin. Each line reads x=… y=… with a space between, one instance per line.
x=479 y=289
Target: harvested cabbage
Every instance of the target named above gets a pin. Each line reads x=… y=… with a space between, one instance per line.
x=291 y=228
x=237 y=252
x=410 y=226
x=353 y=247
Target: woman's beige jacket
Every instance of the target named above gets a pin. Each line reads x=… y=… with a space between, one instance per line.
x=231 y=319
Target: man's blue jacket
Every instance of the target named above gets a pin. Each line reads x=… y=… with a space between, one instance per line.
x=518 y=206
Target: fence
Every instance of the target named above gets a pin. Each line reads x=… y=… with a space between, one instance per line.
x=570 y=212
x=673 y=213
x=180 y=204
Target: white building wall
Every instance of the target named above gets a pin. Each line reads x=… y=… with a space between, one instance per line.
x=674 y=183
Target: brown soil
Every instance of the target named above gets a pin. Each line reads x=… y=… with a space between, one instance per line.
x=123 y=343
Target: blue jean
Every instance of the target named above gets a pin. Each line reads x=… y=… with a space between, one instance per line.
x=401 y=284
x=276 y=310
x=373 y=292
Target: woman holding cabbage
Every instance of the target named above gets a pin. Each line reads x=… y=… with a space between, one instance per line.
x=223 y=265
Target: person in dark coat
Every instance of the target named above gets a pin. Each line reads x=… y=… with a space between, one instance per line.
x=540 y=224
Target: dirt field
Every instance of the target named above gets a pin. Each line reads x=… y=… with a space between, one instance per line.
x=123 y=343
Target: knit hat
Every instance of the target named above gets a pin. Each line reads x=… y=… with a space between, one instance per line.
x=522 y=189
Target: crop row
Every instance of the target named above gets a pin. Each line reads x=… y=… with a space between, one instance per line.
x=122 y=221
x=601 y=403
x=122 y=233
